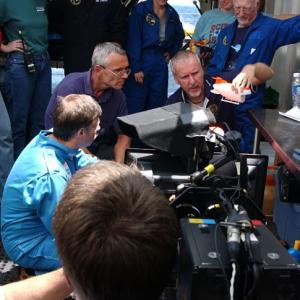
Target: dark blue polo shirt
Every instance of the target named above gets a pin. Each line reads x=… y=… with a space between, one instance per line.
x=112 y=102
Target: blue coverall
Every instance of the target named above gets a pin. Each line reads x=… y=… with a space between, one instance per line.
x=262 y=39
x=146 y=53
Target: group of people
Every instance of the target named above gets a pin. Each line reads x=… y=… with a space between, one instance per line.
x=250 y=37
x=153 y=36
x=108 y=217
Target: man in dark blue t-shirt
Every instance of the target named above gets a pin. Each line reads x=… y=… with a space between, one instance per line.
x=252 y=38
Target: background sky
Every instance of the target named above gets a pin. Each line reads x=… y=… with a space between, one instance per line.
x=181 y=2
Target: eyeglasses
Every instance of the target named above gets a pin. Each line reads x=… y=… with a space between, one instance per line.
x=118 y=73
x=244 y=9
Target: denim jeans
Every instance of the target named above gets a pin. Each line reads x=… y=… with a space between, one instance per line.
x=29 y=94
x=6 y=145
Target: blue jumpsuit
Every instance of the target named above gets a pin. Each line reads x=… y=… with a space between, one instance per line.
x=146 y=53
x=262 y=39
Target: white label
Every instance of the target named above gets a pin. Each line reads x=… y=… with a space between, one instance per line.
x=40 y=9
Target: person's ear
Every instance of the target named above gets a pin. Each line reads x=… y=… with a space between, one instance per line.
x=68 y=281
x=80 y=132
x=176 y=80
x=97 y=69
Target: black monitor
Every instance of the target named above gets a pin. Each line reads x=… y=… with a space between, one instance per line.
x=253 y=177
x=169 y=128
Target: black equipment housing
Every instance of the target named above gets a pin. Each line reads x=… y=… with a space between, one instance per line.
x=202 y=273
x=170 y=128
x=203 y=264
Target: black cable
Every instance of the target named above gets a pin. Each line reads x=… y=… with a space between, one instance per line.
x=255 y=268
x=256 y=279
x=198 y=176
x=226 y=125
x=219 y=258
x=237 y=191
x=248 y=273
x=224 y=140
x=228 y=141
x=226 y=180
x=236 y=155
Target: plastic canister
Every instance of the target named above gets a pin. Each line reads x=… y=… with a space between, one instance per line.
x=295 y=251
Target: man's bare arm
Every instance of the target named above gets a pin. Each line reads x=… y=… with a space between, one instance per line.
x=254 y=74
x=123 y=142
x=49 y=286
x=262 y=73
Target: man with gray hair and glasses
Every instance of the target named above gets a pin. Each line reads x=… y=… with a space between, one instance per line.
x=104 y=81
x=252 y=38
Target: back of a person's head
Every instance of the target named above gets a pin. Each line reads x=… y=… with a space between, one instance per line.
x=102 y=51
x=72 y=113
x=116 y=234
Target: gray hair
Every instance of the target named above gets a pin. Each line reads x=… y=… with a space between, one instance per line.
x=255 y=1
x=182 y=57
x=103 y=50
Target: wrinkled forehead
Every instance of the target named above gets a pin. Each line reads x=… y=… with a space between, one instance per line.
x=245 y=3
x=116 y=60
x=187 y=65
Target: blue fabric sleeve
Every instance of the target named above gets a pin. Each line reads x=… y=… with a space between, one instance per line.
x=286 y=31
x=214 y=68
x=122 y=111
x=43 y=194
x=84 y=159
x=178 y=38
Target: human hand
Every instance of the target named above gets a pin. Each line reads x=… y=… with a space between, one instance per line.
x=139 y=77
x=244 y=79
x=16 y=45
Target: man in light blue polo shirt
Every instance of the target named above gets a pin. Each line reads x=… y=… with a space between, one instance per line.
x=38 y=178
